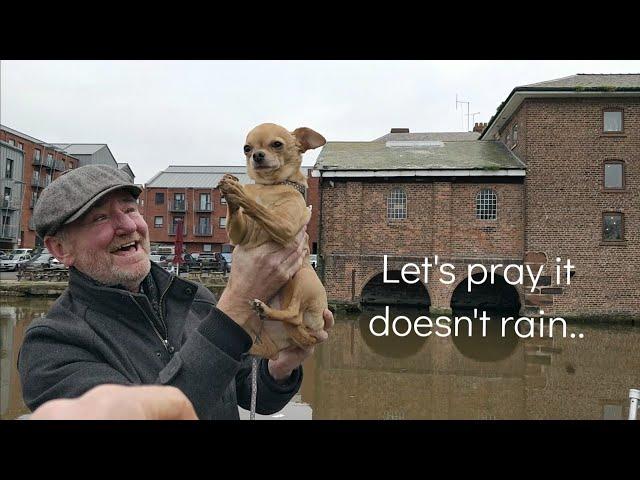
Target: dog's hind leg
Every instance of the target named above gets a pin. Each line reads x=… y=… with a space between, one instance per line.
x=290 y=315
x=300 y=335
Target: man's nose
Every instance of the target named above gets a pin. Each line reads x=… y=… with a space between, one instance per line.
x=124 y=224
x=258 y=157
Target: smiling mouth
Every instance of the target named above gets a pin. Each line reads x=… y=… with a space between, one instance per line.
x=127 y=249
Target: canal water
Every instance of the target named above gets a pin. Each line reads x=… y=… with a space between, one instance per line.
x=358 y=375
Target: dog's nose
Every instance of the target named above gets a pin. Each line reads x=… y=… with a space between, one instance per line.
x=258 y=157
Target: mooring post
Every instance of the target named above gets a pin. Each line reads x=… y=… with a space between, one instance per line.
x=634 y=397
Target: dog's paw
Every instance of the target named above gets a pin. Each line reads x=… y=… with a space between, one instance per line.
x=258 y=307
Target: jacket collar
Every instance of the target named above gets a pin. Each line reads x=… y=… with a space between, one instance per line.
x=114 y=300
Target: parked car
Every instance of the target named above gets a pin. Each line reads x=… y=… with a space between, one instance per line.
x=211 y=261
x=161 y=260
x=14 y=261
x=313 y=259
x=3 y=254
x=21 y=251
x=188 y=263
x=57 y=264
x=40 y=261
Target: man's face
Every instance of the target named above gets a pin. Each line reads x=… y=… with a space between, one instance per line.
x=110 y=243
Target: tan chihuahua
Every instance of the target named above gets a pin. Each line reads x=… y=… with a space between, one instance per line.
x=275 y=209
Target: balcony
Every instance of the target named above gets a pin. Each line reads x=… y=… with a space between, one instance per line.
x=201 y=207
x=37 y=182
x=174 y=228
x=11 y=203
x=203 y=230
x=49 y=163
x=9 y=232
x=178 y=206
x=59 y=165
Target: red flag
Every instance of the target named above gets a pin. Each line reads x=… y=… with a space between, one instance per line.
x=177 y=259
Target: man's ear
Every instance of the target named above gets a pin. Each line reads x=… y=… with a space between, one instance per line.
x=59 y=249
x=308 y=139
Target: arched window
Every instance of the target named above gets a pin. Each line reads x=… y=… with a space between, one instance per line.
x=397 y=204
x=486 y=205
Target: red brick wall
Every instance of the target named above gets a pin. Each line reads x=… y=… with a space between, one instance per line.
x=440 y=220
x=564 y=151
x=193 y=243
x=28 y=235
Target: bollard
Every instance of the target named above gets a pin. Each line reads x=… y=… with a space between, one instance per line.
x=634 y=397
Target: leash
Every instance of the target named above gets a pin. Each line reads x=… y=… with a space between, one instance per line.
x=254 y=375
x=254 y=386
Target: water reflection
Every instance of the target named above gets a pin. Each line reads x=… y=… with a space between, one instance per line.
x=15 y=317
x=355 y=375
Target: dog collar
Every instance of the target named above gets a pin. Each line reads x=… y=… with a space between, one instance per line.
x=301 y=188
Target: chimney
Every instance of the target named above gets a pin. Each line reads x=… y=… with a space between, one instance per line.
x=479 y=127
x=399 y=130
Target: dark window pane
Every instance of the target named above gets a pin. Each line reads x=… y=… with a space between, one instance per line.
x=612 y=227
x=613 y=175
x=159 y=198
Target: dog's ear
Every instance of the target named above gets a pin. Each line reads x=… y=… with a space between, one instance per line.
x=308 y=139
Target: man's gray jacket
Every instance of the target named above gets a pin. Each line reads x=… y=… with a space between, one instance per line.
x=94 y=335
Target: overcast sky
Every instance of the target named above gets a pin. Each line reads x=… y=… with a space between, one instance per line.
x=153 y=114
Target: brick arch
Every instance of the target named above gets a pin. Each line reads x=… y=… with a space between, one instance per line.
x=498 y=273
x=374 y=273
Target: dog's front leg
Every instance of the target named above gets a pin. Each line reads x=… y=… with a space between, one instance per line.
x=236 y=222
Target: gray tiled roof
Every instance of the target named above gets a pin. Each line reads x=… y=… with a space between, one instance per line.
x=450 y=155
x=198 y=176
x=81 y=148
x=591 y=80
x=442 y=136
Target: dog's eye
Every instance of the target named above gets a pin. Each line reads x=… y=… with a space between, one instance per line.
x=247 y=148
x=276 y=144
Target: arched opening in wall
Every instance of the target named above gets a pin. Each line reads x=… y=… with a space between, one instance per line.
x=484 y=340
x=497 y=297
x=376 y=292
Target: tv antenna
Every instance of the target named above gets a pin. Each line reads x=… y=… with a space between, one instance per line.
x=460 y=101
x=473 y=117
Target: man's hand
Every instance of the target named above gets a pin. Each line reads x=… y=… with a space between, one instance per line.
x=291 y=358
x=120 y=402
x=260 y=273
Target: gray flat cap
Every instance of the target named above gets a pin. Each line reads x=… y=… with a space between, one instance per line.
x=72 y=194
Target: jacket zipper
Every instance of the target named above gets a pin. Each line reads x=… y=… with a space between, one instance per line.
x=162 y=312
x=165 y=341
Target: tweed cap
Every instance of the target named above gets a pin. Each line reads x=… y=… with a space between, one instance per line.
x=72 y=194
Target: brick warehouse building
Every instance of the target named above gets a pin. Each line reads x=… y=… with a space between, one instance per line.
x=28 y=166
x=191 y=193
x=555 y=173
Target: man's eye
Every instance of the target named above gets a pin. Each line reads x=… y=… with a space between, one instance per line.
x=99 y=218
x=247 y=148
x=276 y=144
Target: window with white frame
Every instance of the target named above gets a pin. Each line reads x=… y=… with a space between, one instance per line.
x=223 y=222
x=206 y=247
x=486 y=205
x=158 y=221
x=613 y=121
x=514 y=133
x=397 y=205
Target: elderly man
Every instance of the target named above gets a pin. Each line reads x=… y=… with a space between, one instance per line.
x=124 y=320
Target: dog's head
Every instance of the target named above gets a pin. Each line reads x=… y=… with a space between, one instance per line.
x=274 y=154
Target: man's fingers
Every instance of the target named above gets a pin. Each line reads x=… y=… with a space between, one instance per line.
x=321 y=335
x=328 y=319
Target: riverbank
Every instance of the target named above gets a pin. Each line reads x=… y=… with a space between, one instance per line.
x=27 y=288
